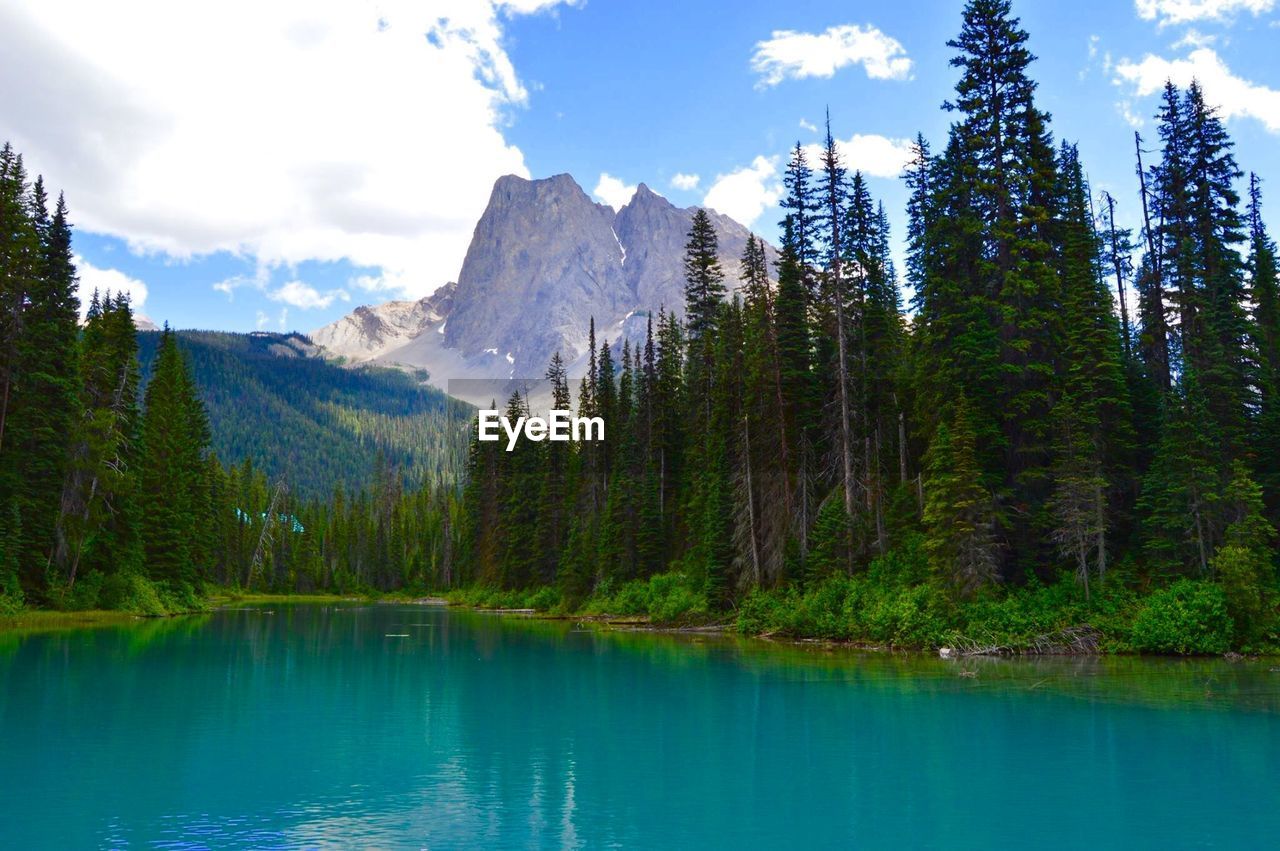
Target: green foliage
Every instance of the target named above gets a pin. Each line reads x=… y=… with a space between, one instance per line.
x=132 y=592
x=1242 y=572
x=856 y=609
x=667 y=599
x=1187 y=617
x=272 y=399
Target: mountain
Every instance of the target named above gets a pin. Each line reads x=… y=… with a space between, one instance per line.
x=275 y=399
x=544 y=260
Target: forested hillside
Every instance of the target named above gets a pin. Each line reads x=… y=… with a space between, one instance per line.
x=111 y=495
x=313 y=424
x=1008 y=462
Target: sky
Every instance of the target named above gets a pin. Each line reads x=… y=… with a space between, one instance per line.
x=241 y=165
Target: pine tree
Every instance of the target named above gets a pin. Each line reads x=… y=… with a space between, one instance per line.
x=1200 y=270
x=704 y=279
x=1244 y=563
x=1181 y=504
x=1264 y=292
x=703 y=294
x=98 y=527
x=1003 y=152
x=43 y=382
x=1092 y=419
x=762 y=485
x=519 y=474
x=800 y=395
x=172 y=482
x=837 y=301
x=958 y=518
x=669 y=427
x=553 y=490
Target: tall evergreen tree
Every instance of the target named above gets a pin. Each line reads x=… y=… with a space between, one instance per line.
x=958 y=518
x=171 y=469
x=1264 y=293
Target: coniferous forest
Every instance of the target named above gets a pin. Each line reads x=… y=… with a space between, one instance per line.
x=110 y=494
x=1068 y=438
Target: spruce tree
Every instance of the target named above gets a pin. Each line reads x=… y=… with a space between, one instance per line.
x=172 y=483
x=958 y=518
x=1003 y=153
x=1264 y=293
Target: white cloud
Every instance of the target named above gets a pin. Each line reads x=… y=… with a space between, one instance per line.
x=613 y=191
x=788 y=54
x=808 y=125
x=871 y=154
x=1185 y=11
x=745 y=193
x=258 y=280
x=263 y=319
x=1234 y=96
x=108 y=280
x=287 y=131
x=307 y=297
x=370 y=283
x=1194 y=38
x=684 y=181
x=1130 y=115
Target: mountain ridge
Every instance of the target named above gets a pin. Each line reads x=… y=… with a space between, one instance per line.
x=543 y=262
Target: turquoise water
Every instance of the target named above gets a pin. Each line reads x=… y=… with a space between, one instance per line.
x=408 y=726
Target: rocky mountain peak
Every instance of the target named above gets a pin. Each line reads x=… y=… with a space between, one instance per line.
x=544 y=260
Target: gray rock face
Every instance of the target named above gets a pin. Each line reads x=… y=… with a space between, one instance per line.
x=368 y=332
x=544 y=260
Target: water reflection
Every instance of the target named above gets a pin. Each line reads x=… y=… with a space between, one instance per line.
x=388 y=725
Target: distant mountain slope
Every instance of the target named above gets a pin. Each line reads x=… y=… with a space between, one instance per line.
x=272 y=398
x=544 y=260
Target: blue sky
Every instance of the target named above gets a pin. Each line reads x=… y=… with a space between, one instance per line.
x=243 y=168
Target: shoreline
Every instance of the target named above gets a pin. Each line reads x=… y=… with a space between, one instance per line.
x=41 y=621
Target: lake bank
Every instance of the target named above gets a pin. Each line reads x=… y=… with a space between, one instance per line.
x=1023 y=623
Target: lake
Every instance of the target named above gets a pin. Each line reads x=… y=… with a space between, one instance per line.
x=416 y=726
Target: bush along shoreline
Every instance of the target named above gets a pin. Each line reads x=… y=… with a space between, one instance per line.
x=884 y=608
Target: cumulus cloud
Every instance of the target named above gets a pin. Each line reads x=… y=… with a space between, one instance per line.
x=745 y=193
x=1168 y=12
x=613 y=191
x=307 y=297
x=108 y=280
x=869 y=153
x=808 y=125
x=685 y=181
x=791 y=55
x=284 y=132
x=1234 y=96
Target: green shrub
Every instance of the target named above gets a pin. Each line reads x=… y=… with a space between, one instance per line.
x=1186 y=617
x=672 y=600
x=1241 y=570
x=905 y=564
x=762 y=611
x=631 y=599
x=913 y=616
x=181 y=598
x=131 y=592
x=10 y=604
x=86 y=592
x=544 y=599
